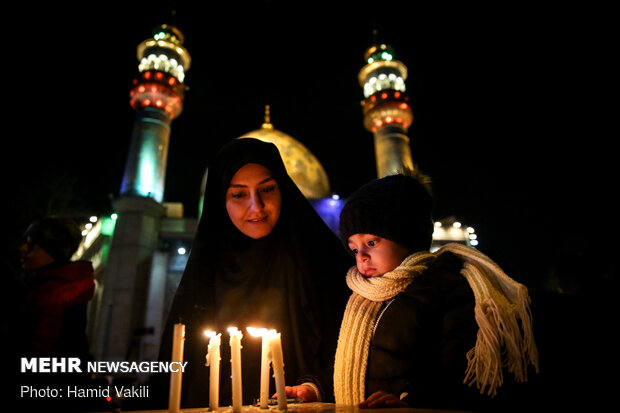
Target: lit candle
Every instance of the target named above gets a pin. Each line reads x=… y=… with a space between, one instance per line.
x=178 y=340
x=213 y=361
x=264 y=365
x=235 y=360
x=278 y=367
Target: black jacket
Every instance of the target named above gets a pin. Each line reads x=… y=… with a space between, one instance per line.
x=421 y=339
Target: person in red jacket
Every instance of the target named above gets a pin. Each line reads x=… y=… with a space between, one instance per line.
x=51 y=321
x=54 y=312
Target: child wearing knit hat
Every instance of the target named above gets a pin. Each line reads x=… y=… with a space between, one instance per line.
x=421 y=328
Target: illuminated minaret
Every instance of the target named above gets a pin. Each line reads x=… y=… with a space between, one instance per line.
x=127 y=324
x=386 y=109
x=157 y=97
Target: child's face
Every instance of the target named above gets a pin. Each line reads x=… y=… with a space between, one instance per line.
x=375 y=255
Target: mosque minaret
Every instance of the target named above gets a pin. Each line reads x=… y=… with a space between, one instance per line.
x=157 y=97
x=130 y=297
x=387 y=113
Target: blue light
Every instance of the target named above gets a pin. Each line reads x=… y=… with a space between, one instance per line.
x=329 y=210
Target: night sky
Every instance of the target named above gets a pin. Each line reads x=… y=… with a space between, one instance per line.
x=504 y=120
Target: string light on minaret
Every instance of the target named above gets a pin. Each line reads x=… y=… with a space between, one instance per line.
x=157 y=97
x=386 y=109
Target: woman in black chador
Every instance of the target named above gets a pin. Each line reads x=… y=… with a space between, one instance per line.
x=262 y=257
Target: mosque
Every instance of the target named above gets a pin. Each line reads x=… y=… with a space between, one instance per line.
x=139 y=253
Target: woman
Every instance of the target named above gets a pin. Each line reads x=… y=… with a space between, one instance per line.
x=262 y=257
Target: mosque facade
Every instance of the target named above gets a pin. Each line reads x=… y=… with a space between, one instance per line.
x=140 y=252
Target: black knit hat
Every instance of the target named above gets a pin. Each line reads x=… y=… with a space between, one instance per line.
x=60 y=237
x=396 y=207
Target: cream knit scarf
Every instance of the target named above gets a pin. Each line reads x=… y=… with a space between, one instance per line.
x=505 y=337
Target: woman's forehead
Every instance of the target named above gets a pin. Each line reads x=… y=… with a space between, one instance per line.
x=251 y=174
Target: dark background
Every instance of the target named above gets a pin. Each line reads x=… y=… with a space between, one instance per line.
x=510 y=110
x=506 y=122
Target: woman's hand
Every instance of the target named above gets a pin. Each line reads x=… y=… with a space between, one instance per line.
x=382 y=399
x=306 y=393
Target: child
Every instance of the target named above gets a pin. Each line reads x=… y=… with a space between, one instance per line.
x=420 y=326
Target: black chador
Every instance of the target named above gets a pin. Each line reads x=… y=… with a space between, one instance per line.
x=291 y=280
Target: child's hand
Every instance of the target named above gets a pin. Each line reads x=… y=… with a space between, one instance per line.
x=382 y=399
x=304 y=392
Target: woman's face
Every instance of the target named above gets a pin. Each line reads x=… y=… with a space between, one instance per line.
x=253 y=200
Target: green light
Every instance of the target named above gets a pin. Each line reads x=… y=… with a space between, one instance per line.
x=107 y=226
x=370 y=60
x=147 y=183
x=386 y=56
x=159 y=35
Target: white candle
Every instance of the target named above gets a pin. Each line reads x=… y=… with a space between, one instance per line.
x=278 y=367
x=235 y=360
x=178 y=340
x=213 y=361
x=264 y=365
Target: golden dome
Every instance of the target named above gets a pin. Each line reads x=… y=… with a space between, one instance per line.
x=302 y=166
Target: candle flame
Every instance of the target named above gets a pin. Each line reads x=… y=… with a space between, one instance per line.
x=232 y=329
x=209 y=333
x=257 y=332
